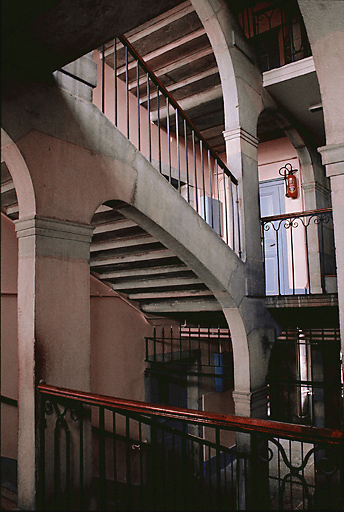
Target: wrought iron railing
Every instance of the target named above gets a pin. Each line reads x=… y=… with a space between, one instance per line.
x=137 y=102
x=276 y=30
x=299 y=253
x=306 y=378
x=153 y=457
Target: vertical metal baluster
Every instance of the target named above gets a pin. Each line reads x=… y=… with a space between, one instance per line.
x=226 y=210
x=310 y=365
x=292 y=254
x=278 y=256
x=128 y=463
x=218 y=196
x=186 y=161
x=210 y=193
x=138 y=105
x=238 y=221
x=209 y=474
x=127 y=88
x=199 y=339
x=103 y=79
x=322 y=255
x=180 y=345
x=163 y=466
x=263 y=243
x=159 y=130
x=168 y=139
x=149 y=121
x=162 y=337
x=283 y=39
x=56 y=462
x=232 y=215
x=114 y=457
x=42 y=427
x=291 y=481
x=178 y=156
x=209 y=358
x=175 y=486
x=184 y=464
x=203 y=179
x=171 y=332
x=141 y=445
x=189 y=342
x=163 y=344
x=218 y=468
x=195 y=168
x=101 y=440
x=154 y=463
x=115 y=79
x=68 y=469
x=81 y=457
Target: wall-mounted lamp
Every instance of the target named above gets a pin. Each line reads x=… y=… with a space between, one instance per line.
x=290 y=180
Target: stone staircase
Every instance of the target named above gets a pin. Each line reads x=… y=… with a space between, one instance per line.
x=141 y=267
x=133 y=262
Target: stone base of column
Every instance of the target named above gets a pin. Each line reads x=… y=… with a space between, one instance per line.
x=251 y=404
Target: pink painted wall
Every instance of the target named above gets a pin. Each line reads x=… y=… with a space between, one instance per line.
x=9 y=370
x=117 y=340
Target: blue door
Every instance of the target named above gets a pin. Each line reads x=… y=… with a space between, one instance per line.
x=275 y=242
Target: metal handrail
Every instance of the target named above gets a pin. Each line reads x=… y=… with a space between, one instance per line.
x=199 y=175
x=294 y=215
x=175 y=104
x=237 y=423
x=286 y=257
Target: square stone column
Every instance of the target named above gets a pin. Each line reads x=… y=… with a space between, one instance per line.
x=333 y=159
x=53 y=327
x=242 y=156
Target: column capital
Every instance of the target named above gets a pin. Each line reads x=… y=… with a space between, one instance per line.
x=251 y=403
x=240 y=133
x=315 y=185
x=55 y=237
x=333 y=157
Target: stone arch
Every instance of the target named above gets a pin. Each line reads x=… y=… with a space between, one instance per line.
x=313 y=180
x=234 y=314
x=17 y=167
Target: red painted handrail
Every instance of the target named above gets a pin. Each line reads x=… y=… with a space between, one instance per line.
x=237 y=423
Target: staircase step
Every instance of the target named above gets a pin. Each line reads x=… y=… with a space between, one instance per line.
x=114 y=225
x=146 y=272
x=130 y=258
x=180 y=306
x=163 y=282
x=169 y=294
x=136 y=241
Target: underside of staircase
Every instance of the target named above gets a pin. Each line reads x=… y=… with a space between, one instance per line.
x=137 y=265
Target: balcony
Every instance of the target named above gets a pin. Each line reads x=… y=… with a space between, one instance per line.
x=300 y=268
x=276 y=30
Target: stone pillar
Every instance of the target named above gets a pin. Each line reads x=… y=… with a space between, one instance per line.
x=242 y=156
x=251 y=403
x=53 y=327
x=333 y=159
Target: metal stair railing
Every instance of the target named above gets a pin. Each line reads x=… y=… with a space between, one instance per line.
x=158 y=457
x=140 y=106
